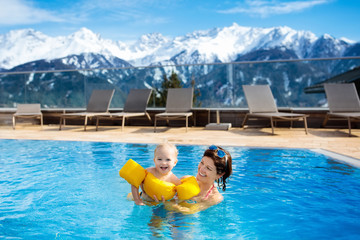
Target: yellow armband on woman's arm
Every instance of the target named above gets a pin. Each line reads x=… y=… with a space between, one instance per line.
x=133 y=173
x=188 y=188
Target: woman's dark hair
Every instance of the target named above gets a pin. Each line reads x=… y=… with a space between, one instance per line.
x=222 y=164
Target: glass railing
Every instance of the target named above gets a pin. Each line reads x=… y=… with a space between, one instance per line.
x=215 y=85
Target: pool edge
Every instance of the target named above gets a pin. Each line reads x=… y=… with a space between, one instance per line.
x=338 y=157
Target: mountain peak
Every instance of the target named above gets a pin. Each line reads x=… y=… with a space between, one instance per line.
x=86 y=34
x=152 y=40
x=327 y=36
x=23 y=33
x=347 y=40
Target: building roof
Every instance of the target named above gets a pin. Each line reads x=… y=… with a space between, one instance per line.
x=346 y=77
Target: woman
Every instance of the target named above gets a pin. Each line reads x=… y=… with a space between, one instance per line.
x=215 y=166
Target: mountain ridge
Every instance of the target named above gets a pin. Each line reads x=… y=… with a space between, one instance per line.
x=202 y=46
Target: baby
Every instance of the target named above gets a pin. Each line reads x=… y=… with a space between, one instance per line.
x=165 y=159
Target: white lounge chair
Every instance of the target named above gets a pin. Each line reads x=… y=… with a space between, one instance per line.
x=98 y=104
x=135 y=106
x=343 y=102
x=262 y=104
x=28 y=111
x=178 y=105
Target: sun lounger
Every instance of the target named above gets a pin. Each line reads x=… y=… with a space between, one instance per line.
x=262 y=104
x=135 y=106
x=98 y=104
x=178 y=105
x=343 y=102
x=28 y=111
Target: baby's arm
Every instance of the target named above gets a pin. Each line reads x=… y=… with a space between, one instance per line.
x=136 y=195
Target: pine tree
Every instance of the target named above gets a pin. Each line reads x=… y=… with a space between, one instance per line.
x=161 y=94
x=197 y=92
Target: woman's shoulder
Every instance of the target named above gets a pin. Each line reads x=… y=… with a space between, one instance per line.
x=214 y=197
x=217 y=197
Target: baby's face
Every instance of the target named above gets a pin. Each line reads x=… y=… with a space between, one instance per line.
x=165 y=160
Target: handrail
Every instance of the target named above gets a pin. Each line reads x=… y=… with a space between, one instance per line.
x=181 y=65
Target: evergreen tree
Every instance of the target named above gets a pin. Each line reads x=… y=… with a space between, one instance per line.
x=174 y=81
x=197 y=93
x=161 y=94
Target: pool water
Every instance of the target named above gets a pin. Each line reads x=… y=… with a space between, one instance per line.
x=72 y=190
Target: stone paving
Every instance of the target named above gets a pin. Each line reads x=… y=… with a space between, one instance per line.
x=334 y=140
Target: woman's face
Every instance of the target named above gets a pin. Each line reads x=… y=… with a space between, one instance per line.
x=207 y=170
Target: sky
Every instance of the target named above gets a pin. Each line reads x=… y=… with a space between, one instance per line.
x=127 y=20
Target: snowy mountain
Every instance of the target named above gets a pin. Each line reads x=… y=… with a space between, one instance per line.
x=80 y=61
x=215 y=45
x=22 y=46
x=219 y=85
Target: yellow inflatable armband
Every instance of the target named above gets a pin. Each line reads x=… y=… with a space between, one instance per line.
x=133 y=173
x=154 y=186
x=188 y=188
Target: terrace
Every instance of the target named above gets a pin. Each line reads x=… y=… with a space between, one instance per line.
x=219 y=88
x=335 y=141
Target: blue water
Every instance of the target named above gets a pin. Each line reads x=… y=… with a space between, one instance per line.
x=72 y=190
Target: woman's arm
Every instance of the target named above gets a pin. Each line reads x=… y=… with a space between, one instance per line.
x=175 y=180
x=186 y=176
x=191 y=207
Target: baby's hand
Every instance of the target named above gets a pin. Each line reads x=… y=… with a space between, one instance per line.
x=157 y=200
x=176 y=198
x=139 y=202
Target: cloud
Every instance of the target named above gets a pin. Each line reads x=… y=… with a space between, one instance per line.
x=264 y=8
x=135 y=11
x=26 y=12
x=14 y=12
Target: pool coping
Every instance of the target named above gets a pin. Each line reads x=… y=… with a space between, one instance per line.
x=338 y=157
x=341 y=158
x=332 y=140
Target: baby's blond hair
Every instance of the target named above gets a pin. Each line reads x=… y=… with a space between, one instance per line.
x=167 y=145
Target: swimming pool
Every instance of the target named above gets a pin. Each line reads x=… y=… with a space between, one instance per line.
x=72 y=190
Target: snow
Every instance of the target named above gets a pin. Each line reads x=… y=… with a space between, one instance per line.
x=205 y=46
x=31 y=78
x=347 y=40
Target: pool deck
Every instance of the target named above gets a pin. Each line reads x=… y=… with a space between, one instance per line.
x=333 y=140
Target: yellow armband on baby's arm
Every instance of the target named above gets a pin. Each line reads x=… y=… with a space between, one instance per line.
x=188 y=188
x=133 y=173
x=154 y=186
